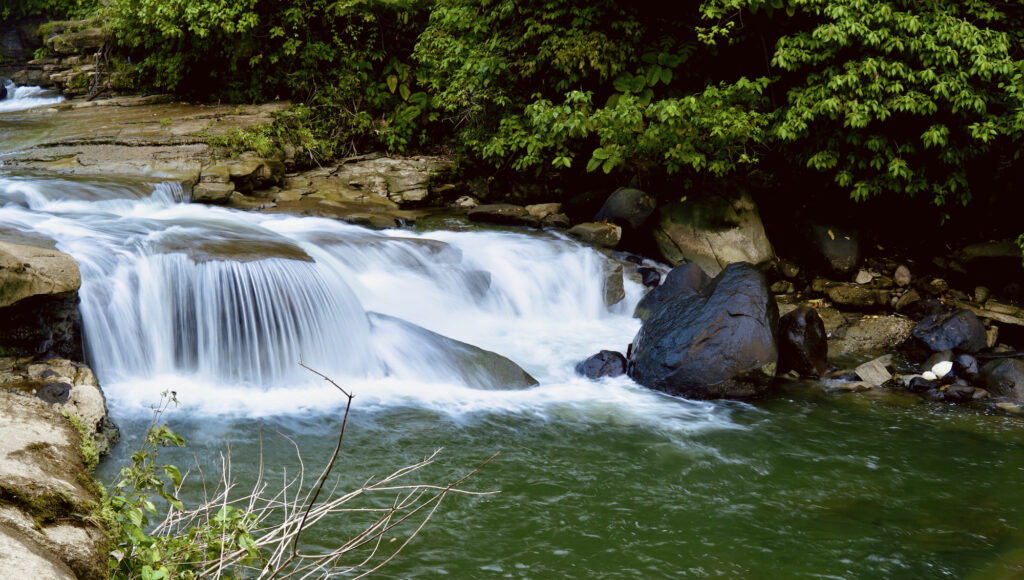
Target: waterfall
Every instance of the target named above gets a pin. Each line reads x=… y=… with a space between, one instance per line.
x=20 y=98
x=222 y=305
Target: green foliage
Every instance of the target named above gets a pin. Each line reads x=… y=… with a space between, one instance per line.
x=129 y=506
x=342 y=60
x=52 y=9
x=900 y=96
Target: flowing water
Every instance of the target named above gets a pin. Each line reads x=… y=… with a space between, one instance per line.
x=596 y=479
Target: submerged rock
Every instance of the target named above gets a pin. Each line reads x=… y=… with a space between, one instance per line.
x=606 y=363
x=803 y=343
x=502 y=214
x=1005 y=377
x=712 y=344
x=410 y=349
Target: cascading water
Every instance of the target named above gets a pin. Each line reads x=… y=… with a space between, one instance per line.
x=222 y=305
x=21 y=98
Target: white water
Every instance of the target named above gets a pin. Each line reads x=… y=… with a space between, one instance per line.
x=21 y=98
x=221 y=306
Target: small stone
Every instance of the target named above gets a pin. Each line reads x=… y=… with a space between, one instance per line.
x=981 y=294
x=908 y=298
x=606 y=363
x=966 y=366
x=992 y=336
x=902 y=276
x=556 y=220
x=782 y=287
x=980 y=394
x=921 y=385
x=466 y=202
x=543 y=210
x=875 y=372
x=601 y=234
x=212 y=192
x=958 y=393
x=1010 y=407
x=789 y=269
x=863 y=277
x=649 y=277
x=929 y=376
x=943 y=368
x=938 y=285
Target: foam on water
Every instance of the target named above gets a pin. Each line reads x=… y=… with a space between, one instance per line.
x=221 y=306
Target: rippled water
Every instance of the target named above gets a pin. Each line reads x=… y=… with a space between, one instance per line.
x=596 y=479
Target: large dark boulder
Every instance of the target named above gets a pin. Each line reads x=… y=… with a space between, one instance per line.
x=681 y=282
x=960 y=331
x=628 y=208
x=712 y=344
x=1005 y=377
x=803 y=343
x=606 y=363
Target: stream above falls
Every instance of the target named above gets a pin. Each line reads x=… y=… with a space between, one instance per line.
x=596 y=478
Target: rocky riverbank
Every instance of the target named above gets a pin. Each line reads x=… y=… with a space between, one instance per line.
x=50 y=407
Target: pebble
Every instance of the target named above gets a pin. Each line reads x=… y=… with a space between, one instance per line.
x=981 y=294
x=863 y=277
x=902 y=276
x=929 y=376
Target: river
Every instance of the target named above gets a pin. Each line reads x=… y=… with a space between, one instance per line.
x=595 y=479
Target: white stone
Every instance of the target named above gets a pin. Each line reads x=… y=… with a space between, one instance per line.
x=929 y=376
x=863 y=277
x=942 y=369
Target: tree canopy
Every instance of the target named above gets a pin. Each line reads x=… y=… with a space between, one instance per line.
x=896 y=97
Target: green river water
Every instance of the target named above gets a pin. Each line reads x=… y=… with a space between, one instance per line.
x=808 y=485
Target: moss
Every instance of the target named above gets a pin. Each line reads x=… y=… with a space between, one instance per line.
x=90 y=453
x=43 y=508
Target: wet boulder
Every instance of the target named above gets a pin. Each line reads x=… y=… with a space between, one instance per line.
x=649 y=277
x=712 y=232
x=714 y=344
x=803 y=343
x=599 y=234
x=960 y=330
x=629 y=208
x=681 y=282
x=606 y=363
x=1005 y=377
x=966 y=366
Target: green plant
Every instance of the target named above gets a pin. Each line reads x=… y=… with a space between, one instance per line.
x=255 y=533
